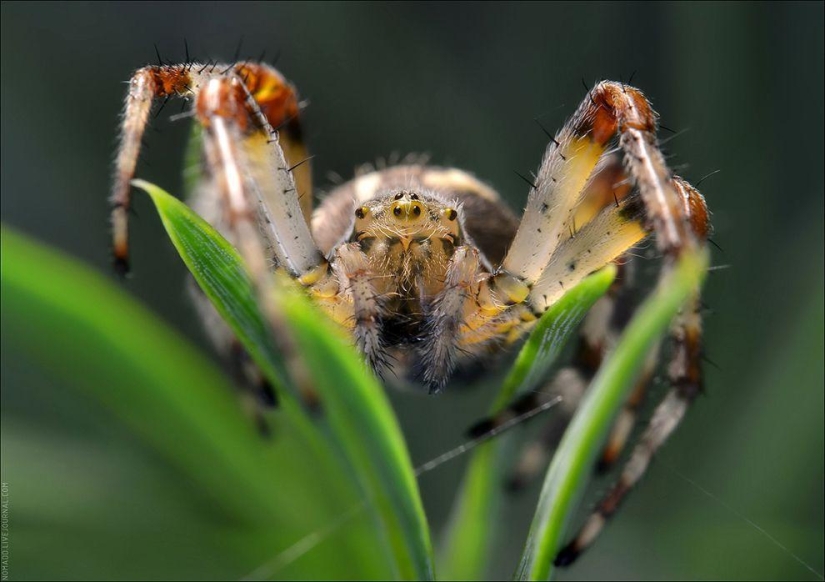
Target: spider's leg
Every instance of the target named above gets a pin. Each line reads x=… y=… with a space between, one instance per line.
x=570 y=384
x=145 y=86
x=255 y=193
x=273 y=95
x=608 y=223
x=278 y=102
x=597 y=335
x=359 y=307
x=684 y=376
x=444 y=320
x=569 y=161
x=258 y=189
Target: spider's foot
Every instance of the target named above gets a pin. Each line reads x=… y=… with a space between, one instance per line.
x=121 y=266
x=567 y=555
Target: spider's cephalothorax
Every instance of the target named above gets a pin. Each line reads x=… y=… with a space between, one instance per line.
x=425 y=266
x=407 y=223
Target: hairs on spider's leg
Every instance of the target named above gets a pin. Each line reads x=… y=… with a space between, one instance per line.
x=147 y=84
x=353 y=270
x=438 y=355
x=677 y=214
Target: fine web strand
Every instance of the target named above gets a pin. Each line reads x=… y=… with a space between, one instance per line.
x=314 y=538
x=744 y=518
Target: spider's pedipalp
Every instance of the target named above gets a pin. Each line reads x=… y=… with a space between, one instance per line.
x=438 y=358
x=353 y=270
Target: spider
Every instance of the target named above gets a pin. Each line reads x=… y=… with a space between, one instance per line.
x=425 y=266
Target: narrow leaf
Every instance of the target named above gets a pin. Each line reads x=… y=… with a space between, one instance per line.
x=361 y=423
x=269 y=493
x=573 y=461
x=470 y=531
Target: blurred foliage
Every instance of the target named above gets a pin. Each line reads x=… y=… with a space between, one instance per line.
x=462 y=82
x=272 y=491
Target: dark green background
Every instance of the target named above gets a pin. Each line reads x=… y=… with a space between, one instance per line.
x=463 y=82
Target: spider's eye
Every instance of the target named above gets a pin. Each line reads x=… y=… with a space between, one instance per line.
x=361 y=212
x=417 y=210
x=397 y=211
x=399 y=196
x=451 y=214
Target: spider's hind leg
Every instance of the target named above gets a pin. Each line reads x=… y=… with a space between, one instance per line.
x=684 y=374
x=597 y=336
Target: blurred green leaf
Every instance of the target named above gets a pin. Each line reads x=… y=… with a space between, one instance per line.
x=264 y=495
x=471 y=528
x=186 y=406
x=581 y=443
x=361 y=422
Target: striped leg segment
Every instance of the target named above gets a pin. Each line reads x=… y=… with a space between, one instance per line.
x=249 y=115
x=684 y=376
x=265 y=92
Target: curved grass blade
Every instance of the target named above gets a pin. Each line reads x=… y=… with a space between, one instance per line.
x=186 y=405
x=361 y=424
x=218 y=269
x=263 y=495
x=469 y=535
x=366 y=427
x=573 y=461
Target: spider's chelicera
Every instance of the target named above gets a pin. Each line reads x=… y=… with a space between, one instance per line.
x=425 y=266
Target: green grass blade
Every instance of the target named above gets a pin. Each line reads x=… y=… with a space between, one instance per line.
x=469 y=535
x=218 y=269
x=366 y=427
x=263 y=495
x=361 y=423
x=573 y=461
x=187 y=408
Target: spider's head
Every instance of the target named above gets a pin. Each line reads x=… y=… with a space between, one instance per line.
x=407 y=216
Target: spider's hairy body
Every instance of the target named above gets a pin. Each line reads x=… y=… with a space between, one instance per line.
x=408 y=221
x=426 y=267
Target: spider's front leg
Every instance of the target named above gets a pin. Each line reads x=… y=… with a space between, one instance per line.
x=585 y=235
x=274 y=98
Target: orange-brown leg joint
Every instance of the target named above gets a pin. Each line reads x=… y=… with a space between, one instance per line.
x=610 y=107
x=695 y=207
x=223 y=97
x=170 y=79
